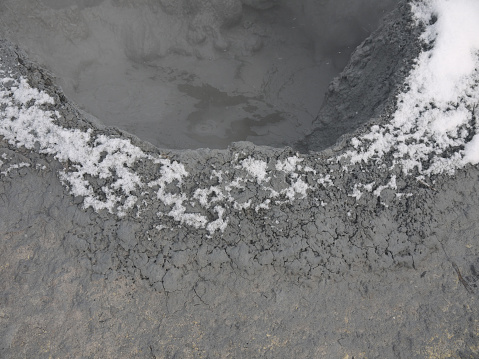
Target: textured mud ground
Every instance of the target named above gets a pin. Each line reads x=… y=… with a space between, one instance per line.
x=324 y=276
x=63 y=298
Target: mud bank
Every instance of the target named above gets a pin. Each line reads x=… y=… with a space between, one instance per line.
x=111 y=247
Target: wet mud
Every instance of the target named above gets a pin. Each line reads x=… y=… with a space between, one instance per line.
x=125 y=62
x=392 y=273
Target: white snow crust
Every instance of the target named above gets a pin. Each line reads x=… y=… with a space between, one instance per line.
x=436 y=117
x=256 y=168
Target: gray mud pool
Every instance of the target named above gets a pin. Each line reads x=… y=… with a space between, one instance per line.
x=134 y=223
x=183 y=74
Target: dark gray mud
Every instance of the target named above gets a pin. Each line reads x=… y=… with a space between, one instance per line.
x=128 y=62
x=324 y=276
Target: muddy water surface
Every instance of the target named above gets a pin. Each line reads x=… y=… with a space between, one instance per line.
x=184 y=75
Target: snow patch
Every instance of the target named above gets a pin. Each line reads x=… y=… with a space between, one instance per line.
x=13 y=167
x=218 y=224
x=432 y=128
x=297 y=188
x=256 y=168
x=289 y=165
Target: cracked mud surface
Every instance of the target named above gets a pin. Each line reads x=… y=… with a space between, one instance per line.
x=261 y=271
x=78 y=285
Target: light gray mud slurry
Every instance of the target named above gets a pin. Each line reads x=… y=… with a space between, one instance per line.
x=249 y=252
x=128 y=62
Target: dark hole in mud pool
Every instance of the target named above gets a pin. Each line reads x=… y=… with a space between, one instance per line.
x=189 y=74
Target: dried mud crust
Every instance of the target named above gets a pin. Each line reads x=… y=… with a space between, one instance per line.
x=331 y=274
x=58 y=302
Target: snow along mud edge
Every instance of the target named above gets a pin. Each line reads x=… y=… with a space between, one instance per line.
x=255 y=206
x=174 y=219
